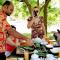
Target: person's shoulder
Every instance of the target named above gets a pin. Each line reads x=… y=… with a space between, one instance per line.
x=1 y=12
x=30 y=18
x=2 y=16
x=41 y=17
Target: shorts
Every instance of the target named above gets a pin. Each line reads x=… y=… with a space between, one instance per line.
x=2 y=56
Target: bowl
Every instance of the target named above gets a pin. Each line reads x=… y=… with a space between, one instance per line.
x=54 y=50
x=49 y=46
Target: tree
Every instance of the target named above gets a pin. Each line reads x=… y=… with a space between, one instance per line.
x=45 y=13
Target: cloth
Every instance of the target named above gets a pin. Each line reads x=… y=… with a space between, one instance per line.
x=37 y=29
x=10 y=47
x=3 y=24
x=2 y=33
x=2 y=56
x=7 y=53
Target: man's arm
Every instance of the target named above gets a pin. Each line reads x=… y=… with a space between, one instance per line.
x=17 y=34
x=14 y=33
x=43 y=26
x=30 y=22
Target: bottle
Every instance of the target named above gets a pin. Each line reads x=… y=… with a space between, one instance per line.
x=26 y=55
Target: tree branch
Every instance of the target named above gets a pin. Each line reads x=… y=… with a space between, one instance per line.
x=29 y=6
x=47 y=2
x=38 y=3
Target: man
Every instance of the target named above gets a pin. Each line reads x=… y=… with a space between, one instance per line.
x=7 y=9
x=36 y=23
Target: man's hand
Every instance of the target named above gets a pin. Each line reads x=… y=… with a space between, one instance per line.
x=26 y=43
x=29 y=42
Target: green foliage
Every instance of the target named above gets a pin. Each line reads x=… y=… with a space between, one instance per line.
x=24 y=9
x=1 y=2
x=20 y=8
x=50 y=34
x=16 y=6
x=53 y=15
x=41 y=13
x=33 y=2
x=27 y=35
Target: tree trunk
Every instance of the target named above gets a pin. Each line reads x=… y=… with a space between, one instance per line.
x=38 y=3
x=45 y=14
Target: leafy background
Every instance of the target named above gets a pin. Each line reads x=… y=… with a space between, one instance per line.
x=21 y=11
